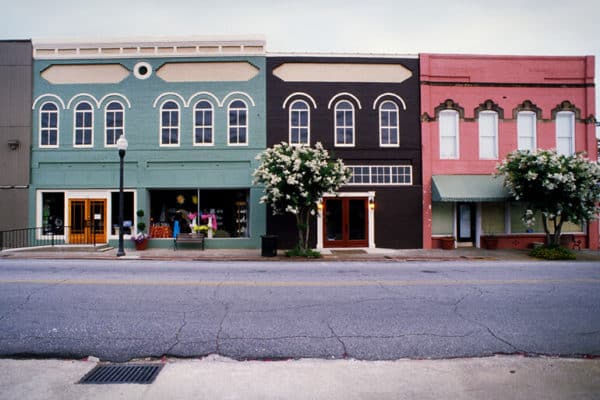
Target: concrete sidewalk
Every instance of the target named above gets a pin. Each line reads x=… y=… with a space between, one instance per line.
x=499 y=377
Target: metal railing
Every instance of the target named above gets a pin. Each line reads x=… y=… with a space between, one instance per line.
x=44 y=236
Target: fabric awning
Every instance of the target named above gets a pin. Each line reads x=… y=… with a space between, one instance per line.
x=469 y=188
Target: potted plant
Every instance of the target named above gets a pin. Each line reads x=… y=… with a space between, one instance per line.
x=140 y=239
x=448 y=243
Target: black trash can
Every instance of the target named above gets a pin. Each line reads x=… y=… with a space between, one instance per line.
x=269 y=246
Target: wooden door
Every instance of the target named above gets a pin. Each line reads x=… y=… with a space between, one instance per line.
x=345 y=222
x=87 y=221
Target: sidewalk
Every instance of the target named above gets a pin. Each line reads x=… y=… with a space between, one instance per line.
x=378 y=254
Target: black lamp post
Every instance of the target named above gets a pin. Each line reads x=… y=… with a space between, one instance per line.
x=122 y=146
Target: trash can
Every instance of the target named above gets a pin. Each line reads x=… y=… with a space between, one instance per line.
x=269 y=246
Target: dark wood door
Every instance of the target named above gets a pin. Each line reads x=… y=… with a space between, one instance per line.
x=345 y=222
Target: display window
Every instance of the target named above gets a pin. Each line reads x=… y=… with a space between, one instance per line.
x=127 y=213
x=223 y=212
x=53 y=213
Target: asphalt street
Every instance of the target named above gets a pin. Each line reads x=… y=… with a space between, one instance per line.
x=126 y=309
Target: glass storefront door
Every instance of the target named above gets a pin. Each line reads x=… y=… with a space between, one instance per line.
x=345 y=222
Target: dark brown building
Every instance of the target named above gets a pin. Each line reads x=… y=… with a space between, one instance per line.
x=15 y=132
x=366 y=112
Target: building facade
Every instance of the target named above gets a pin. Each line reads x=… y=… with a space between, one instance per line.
x=365 y=111
x=194 y=115
x=15 y=132
x=477 y=109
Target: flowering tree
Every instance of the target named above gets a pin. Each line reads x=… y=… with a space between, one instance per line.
x=295 y=179
x=562 y=188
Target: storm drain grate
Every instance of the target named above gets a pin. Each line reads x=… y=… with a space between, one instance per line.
x=131 y=373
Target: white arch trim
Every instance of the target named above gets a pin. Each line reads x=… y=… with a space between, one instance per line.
x=119 y=95
x=237 y=93
x=180 y=97
x=344 y=94
x=198 y=94
x=299 y=94
x=43 y=96
x=82 y=95
x=391 y=95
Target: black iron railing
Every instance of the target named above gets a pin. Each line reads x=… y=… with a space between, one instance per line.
x=37 y=237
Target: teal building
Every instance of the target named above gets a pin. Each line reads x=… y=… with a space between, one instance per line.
x=194 y=114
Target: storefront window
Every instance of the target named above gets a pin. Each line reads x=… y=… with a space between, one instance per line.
x=53 y=213
x=492 y=218
x=227 y=211
x=127 y=213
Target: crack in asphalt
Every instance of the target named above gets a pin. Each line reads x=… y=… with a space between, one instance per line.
x=183 y=324
x=335 y=335
x=220 y=331
x=28 y=298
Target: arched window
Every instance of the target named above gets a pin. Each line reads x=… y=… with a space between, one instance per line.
x=49 y=125
x=114 y=122
x=488 y=135
x=526 y=130
x=238 y=123
x=84 y=125
x=565 y=132
x=169 y=124
x=449 y=143
x=299 y=123
x=203 y=123
x=388 y=124
x=344 y=123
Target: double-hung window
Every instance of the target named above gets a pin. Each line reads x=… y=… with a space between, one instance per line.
x=388 y=124
x=49 y=125
x=344 y=124
x=565 y=132
x=169 y=124
x=488 y=135
x=448 y=124
x=238 y=124
x=114 y=123
x=526 y=130
x=299 y=123
x=203 y=124
x=84 y=125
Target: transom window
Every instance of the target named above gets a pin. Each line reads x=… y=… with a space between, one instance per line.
x=203 y=123
x=49 y=125
x=565 y=132
x=169 y=124
x=344 y=123
x=526 y=130
x=238 y=123
x=388 y=124
x=299 y=123
x=380 y=175
x=114 y=123
x=84 y=120
x=488 y=135
x=448 y=123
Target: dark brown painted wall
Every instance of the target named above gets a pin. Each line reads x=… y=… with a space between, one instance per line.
x=398 y=213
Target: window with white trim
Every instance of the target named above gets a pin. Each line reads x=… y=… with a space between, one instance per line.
x=388 y=124
x=203 y=123
x=448 y=124
x=565 y=132
x=299 y=123
x=169 y=124
x=49 y=125
x=380 y=175
x=344 y=123
x=526 y=130
x=488 y=135
x=237 y=123
x=84 y=125
x=114 y=123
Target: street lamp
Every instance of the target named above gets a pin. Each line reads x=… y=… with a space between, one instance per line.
x=122 y=146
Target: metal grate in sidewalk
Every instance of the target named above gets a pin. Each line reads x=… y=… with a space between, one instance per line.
x=131 y=373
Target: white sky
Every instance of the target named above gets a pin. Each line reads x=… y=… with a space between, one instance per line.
x=538 y=27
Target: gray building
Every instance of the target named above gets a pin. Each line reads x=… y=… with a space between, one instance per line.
x=15 y=132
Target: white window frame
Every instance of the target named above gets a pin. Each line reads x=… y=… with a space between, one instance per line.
x=161 y=126
x=41 y=128
x=299 y=127
x=456 y=136
x=345 y=126
x=113 y=128
x=376 y=175
x=525 y=117
x=571 y=130
x=483 y=133
x=237 y=126
x=390 y=126
x=211 y=126
x=84 y=128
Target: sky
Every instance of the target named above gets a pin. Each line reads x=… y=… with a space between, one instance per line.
x=535 y=27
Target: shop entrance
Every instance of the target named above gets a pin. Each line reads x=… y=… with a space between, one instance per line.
x=87 y=220
x=345 y=222
x=466 y=222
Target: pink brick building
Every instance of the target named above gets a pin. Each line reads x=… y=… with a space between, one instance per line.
x=475 y=110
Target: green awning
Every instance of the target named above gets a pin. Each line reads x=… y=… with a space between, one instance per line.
x=473 y=188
